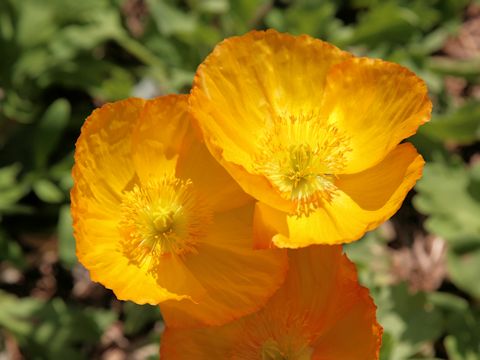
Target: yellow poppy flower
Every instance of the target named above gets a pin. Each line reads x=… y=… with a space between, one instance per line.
x=157 y=219
x=311 y=132
x=321 y=312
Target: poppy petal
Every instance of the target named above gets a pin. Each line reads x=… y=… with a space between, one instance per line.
x=376 y=104
x=363 y=201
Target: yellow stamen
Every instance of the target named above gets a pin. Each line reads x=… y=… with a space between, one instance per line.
x=161 y=218
x=300 y=156
x=271 y=350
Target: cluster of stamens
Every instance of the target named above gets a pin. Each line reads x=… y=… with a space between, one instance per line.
x=163 y=217
x=268 y=338
x=271 y=350
x=301 y=156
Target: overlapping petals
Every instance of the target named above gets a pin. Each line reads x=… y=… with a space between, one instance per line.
x=187 y=201
x=157 y=219
x=321 y=312
x=364 y=201
x=306 y=128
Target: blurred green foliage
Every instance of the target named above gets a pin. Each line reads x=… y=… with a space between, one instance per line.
x=62 y=58
x=52 y=330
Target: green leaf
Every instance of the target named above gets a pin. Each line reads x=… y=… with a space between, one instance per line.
x=116 y=85
x=464 y=269
x=391 y=23
x=447 y=194
x=213 y=6
x=17 y=107
x=138 y=316
x=8 y=176
x=47 y=191
x=371 y=249
x=243 y=15
x=450 y=195
x=85 y=73
x=400 y=313
x=11 y=251
x=469 y=69
x=316 y=19
x=170 y=20
x=430 y=148
x=49 y=131
x=36 y=22
x=448 y=302
x=53 y=329
x=66 y=241
x=461 y=126
x=31 y=65
x=434 y=40
x=73 y=39
x=62 y=172
x=462 y=323
x=11 y=189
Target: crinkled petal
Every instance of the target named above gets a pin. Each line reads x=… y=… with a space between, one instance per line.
x=364 y=201
x=238 y=279
x=199 y=344
x=320 y=310
x=103 y=164
x=237 y=95
x=103 y=169
x=130 y=240
x=267 y=224
x=173 y=274
x=209 y=177
x=363 y=332
x=377 y=104
x=351 y=330
x=159 y=136
x=98 y=251
x=164 y=147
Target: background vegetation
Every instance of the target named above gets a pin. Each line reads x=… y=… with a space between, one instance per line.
x=59 y=59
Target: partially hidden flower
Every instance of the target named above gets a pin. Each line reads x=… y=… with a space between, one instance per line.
x=321 y=312
x=157 y=220
x=312 y=133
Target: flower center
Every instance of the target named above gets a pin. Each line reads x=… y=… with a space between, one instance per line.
x=161 y=218
x=301 y=157
x=271 y=350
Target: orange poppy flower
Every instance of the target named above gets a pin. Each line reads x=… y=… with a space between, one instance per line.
x=156 y=218
x=321 y=312
x=311 y=132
